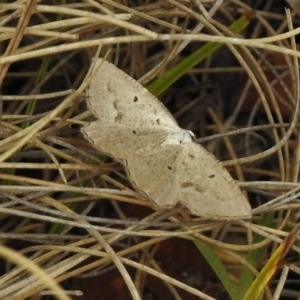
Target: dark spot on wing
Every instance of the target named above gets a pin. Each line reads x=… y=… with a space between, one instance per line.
x=192 y=185
x=198 y=189
x=118 y=117
x=135 y=99
x=212 y=176
x=133 y=131
x=158 y=121
x=192 y=156
x=109 y=87
x=115 y=104
x=186 y=184
x=169 y=168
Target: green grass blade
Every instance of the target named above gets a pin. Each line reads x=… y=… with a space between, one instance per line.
x=169 y=77
x=219 y=269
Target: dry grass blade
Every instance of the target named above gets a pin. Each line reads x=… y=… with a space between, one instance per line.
x=70 y=215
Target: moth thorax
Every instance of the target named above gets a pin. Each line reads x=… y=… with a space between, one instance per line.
x=179 y=137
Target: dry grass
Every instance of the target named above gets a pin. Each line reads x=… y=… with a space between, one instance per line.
x=67 y=204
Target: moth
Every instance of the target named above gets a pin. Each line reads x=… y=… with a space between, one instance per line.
x=163 y=161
